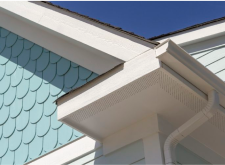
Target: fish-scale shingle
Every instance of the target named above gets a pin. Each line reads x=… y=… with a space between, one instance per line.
x=31 y=79
x=5 y=56
x=11 y=66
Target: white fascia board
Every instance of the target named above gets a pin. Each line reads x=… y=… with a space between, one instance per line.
x=93 y=60
x=104 y=87
x=108 y=83
x=67 y=153
x=189 y=68
x=197 y=34
x=78 y=109
x=171 y=80
x=59 y=30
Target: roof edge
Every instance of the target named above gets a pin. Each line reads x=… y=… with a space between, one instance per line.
x=103 y=23
x=187 y=28
x=97 y=48
x=194 y=72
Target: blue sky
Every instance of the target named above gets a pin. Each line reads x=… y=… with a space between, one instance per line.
x=149 y=18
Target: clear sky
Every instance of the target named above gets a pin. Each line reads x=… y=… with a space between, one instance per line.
x=149 y=19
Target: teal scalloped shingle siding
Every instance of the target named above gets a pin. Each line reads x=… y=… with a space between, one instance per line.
x=31 y=78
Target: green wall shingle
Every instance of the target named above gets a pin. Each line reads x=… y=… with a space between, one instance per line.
x=185 y=157
x=31 y=79
x=213 y=59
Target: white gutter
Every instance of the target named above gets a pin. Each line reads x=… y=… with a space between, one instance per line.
x=188 y=127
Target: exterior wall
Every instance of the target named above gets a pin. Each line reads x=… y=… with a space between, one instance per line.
x=130 y=154
x=213 y=59
x=134 y=154
x=31 y=78
x=211 y=54
x=185 y=156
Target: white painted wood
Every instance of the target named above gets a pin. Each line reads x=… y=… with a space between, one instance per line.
x=89 y=95
x=132 y=133
x=68 y=152
x=153 y=147
x=88 y=158
x=186 y=40
x=129 y=154
x=192 y=143
x=204 y=45
x=169 y=96
x=80 y=155
x=91 y=59
x=146 y=127
x=191 y=125
x=126 y=155
x=103 y=86
x=70 y=27
x=106 y=84
x=197 y=34
x=181 y=62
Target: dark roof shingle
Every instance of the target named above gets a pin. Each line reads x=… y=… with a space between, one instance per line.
x=104 y=24
x=187 y=28
x=150 y=40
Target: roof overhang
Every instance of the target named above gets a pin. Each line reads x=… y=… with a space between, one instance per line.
x=166 y=81
x=190 y=69
x=94 y=46
x=198 y=34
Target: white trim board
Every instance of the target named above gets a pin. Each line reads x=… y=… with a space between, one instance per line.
x=67 y=34
x=117 y=94
x=197 y=34
x=91 y=59
x=205 y=45
x=86 y=145
x=63 y=155
x=141 y=129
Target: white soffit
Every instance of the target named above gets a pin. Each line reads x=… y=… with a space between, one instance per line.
x=190 y=69
x=144 y=86
x=196 y=34
x=103 y=86
x=91 y=45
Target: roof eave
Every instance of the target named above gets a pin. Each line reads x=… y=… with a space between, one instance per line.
x=88 y=43
x=104 y=24
x=80 y=108
x=189 y=68
x=200 y=25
